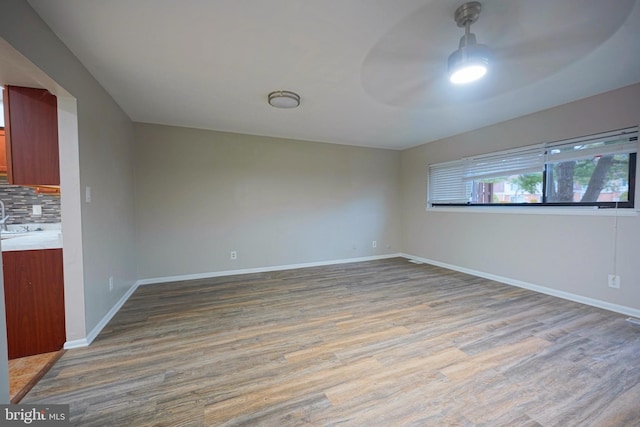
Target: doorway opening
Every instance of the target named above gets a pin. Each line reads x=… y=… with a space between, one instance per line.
x=16 y=70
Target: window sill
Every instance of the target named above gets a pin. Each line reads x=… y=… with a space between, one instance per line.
x=537 y=210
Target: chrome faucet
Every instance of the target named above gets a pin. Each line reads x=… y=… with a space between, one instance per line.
x=3 y=221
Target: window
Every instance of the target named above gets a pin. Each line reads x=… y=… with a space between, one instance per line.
x=597 y=170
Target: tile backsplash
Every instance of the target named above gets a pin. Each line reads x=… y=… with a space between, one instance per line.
x=19 y=201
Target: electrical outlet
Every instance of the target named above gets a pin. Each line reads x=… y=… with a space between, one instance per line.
x=37 y=210
x=110 y=283
x=374 y=244
x=234 y=255
x=614 y=281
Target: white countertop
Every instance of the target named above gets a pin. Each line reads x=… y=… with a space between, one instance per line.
x=39 y=236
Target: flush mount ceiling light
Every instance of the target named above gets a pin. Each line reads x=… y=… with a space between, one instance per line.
x=284 y=99
x=471 y=61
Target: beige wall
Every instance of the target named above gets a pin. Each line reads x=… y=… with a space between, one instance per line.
x=567 y=253
x=104 y=246
x=201 y=194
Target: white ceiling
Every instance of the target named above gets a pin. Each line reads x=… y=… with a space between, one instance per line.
x=370 y=72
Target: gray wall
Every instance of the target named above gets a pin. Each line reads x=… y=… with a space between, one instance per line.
x=105 y=142
x=568 y=253
x=201 y=194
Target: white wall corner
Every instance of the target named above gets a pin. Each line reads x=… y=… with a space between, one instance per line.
x=84 y=342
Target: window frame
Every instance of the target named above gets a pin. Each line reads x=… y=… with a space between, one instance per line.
x=628 y=204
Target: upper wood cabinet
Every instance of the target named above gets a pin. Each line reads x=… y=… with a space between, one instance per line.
x=3 y=154
x=31 y=136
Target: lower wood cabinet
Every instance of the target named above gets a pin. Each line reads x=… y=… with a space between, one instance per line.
x=34 y=300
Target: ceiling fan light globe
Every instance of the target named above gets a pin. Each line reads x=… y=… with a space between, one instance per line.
x=468 y=73
x=469 y=63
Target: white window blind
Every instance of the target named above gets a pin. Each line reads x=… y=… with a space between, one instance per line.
x=446 y=184
x=505 y=163
x=451 y=182
x=619 y=142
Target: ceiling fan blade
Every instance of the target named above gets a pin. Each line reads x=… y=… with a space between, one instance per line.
x=529 y=40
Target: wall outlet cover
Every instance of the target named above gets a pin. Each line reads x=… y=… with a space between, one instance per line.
x=613 y=281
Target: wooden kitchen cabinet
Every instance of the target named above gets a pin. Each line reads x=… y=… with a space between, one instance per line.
x=44 y=189
x=34 y=300
x=3 y=154
x=31 y=136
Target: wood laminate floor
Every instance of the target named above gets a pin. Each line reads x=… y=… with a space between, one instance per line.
x=381 y=343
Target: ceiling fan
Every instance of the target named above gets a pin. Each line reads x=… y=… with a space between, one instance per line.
x=526 y=42
x=471 y=61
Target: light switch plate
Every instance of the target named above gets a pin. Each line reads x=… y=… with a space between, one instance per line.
x=37 y=210
x=87 y=194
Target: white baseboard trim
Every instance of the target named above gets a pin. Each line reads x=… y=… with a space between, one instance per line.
x=76 y=344
x=157 y=280
x=85 y=342
x=633 y=312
